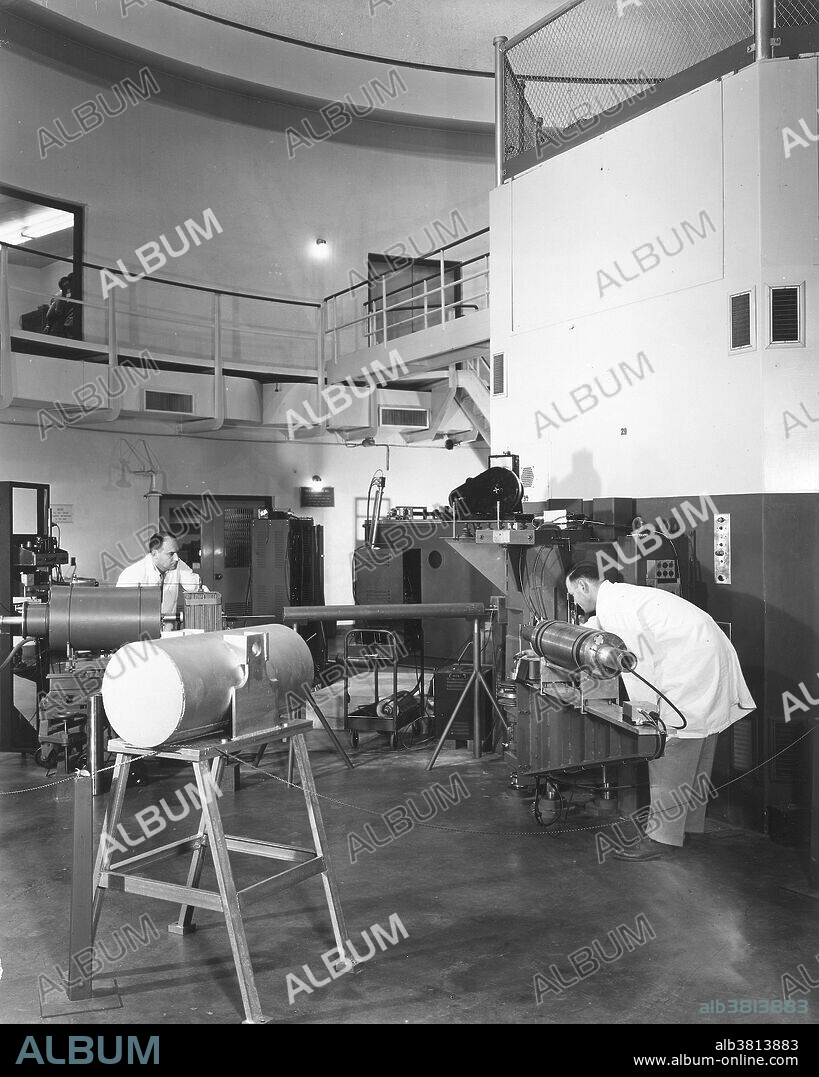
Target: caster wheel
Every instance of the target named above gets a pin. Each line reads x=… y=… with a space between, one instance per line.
x=354 y=738
x=45 y=758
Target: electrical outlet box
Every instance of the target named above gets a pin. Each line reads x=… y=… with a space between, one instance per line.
x=722 y=548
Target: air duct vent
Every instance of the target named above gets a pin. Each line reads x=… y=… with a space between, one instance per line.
x=741 y=321
x=498 y=375
x=405 y=418
x=743 y=745
x=168 y=403
x=786 y=315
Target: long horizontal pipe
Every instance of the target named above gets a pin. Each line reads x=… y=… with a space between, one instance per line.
x=409 y=611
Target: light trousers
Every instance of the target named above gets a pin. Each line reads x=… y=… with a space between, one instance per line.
x=680 y=780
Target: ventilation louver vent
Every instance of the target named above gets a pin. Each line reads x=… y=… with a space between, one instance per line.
x=527 y=477
x=743 y=745
x=498 y=375
x=787 y=766
x=413 y=418
x=741 y=320
x=785 y=319
x=168 y=403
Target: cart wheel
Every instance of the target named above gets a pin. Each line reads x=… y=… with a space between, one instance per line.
x=394 y=741
x=354 y=738
x=45 y=758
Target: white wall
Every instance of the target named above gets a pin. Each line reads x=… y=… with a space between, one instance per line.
x=157 y=164
x=84 y=470
x=701 y=417
x=168 y=159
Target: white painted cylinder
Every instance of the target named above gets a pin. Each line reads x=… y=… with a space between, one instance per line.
x=178 y=689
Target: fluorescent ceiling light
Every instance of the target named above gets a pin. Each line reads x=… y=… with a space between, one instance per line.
x=37 y=223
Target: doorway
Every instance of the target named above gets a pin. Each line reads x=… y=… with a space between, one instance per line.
x=44 y=237
x=214 y=537
x=413 y=295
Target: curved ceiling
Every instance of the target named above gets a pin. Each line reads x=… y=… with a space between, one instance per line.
x=442 y=33
x=427 y=63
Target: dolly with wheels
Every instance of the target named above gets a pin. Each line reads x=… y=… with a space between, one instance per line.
x=374 y=650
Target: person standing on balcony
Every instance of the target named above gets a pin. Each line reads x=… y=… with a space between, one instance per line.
x=60 y=318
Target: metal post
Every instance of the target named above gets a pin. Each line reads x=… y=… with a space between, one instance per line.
x=94 y=731
x=335 y=329
x=81 y=929
x=476 y=703
x=763 y=28
x=113 y=354
x=82 y=994
x=442 y=274
x=384 y=308
x=500 y=57
x=426 y=305
x=321 y=364
x=6 y=394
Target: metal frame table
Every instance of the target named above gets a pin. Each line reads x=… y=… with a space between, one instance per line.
x=208 y=757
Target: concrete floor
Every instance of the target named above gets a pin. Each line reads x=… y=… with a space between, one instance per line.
x=488 y=900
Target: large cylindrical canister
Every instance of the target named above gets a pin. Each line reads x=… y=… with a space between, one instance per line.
x=574 y=647
x=95 y=618
x=177 y=689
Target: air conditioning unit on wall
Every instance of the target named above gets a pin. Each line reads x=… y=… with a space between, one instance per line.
x=402 y=409
x=391 y=409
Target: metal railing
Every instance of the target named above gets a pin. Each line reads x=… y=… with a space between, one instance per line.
x=172 y=318
x=593 y=64
x=183 y=326
x=391 y=311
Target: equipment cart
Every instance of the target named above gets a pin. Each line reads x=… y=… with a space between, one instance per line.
x=373 y=650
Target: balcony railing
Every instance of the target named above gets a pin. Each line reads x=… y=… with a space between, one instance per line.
x=172 y=320
x=594 y=64
x=381 y=309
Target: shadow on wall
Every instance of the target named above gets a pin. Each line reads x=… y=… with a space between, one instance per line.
x=582 y=481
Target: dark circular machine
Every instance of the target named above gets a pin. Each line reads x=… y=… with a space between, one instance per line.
x=495 y=492
x=573 y=647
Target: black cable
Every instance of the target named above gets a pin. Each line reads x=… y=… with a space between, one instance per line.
x=662 y=696
x=662 y=735
x=17 y=646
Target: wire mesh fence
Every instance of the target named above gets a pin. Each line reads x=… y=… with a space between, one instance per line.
x=599 y=54
x=793 y=13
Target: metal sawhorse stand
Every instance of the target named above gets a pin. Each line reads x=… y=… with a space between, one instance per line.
x=207 y=758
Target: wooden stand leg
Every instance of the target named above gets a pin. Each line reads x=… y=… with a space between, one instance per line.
x=290 y=761
x=320 y=841
x=230 y=899
x=113 y=813
x=184 y=924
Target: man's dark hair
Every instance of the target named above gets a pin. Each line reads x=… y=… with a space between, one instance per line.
x=583 y=570
x=156 y=540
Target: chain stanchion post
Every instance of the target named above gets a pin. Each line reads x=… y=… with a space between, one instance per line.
x=82 y=994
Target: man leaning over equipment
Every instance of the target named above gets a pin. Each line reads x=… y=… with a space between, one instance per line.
x=688 y=657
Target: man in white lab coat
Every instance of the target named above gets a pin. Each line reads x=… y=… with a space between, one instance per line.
x=687 y=656
x=161 y=567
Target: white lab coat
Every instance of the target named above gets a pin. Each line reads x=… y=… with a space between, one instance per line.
x=682 y=651
x=146 y=573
